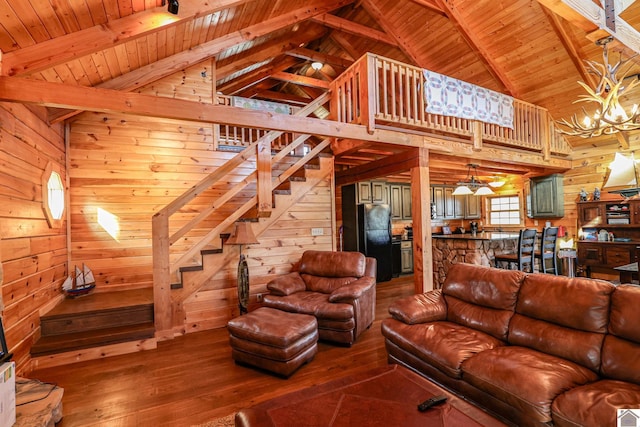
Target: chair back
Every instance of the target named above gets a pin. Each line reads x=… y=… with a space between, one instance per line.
x=547 y=250
x=526 y=247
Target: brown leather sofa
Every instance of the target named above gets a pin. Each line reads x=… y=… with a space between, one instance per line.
x=338 y=288
x=535 y=349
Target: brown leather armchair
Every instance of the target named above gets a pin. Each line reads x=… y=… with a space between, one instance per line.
x=338 y=288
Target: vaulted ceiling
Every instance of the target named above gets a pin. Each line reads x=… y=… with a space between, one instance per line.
x=532 y=50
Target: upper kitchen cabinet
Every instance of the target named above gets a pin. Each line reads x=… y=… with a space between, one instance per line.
x=400 y=201
x=376 y=192
x=546 y=197
x=449 y=206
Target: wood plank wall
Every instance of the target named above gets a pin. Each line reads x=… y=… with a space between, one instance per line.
x=33 y=255
x=132 y=167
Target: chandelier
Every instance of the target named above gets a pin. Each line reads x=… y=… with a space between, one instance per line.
x=609 y=116
x=472 y=185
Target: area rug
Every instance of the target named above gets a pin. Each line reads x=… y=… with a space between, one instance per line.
x=227 y=421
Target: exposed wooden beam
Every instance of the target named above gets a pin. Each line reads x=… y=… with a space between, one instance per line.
x=401 y=162
x=59 y=50
x=283 y=97
x=346 y=46
x=270 y=49
x=476 y=45
x=15 y=89
x=569 y=45
x=245 y=81
x=591 y=17
x=403 y=44
x=312 y=55
x=431 y=5
x=351 y=27
x=300 y=80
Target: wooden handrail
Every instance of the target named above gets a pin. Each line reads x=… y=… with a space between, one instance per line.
x=381 y=91
x=162 y=239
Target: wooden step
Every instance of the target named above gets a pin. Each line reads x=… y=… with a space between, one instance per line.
x=95 y=321
x=94 y=338
x=98 y=311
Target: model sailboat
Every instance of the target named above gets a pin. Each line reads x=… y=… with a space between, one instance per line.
x=81 y=283
x=623 y=173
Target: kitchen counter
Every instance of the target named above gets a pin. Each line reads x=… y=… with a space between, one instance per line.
x=449 y=249
x=484 y=235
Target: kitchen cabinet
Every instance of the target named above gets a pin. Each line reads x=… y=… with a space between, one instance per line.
x=395 y=194
x=376 y=192
x=472 y=207
x=547 y=197
x=406 y=201
x=449 y=206
x=406 y=256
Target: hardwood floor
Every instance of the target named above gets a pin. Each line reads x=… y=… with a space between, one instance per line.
x=192 y=379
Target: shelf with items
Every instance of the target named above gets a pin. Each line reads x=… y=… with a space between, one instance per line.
x=618 y=214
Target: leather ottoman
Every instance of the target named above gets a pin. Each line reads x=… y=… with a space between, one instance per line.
x=273 y=340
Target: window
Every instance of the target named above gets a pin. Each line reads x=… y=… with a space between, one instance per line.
x=504 y=210
x=53 y=195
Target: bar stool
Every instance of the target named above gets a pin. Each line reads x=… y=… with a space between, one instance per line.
x=523 y=258
x=547 y=251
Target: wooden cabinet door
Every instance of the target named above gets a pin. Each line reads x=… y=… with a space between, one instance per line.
x=406 y=256
x=396 y=201
x=590 y=214
x=473 y=207
x=590 y=254
x=439 y=200
x=406 y=202
x=379 y=192
x=615 y=256
x=453 y=205
x=547 y=197
x=364 y=192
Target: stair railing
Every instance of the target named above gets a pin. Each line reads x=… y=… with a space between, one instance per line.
x=163 y=268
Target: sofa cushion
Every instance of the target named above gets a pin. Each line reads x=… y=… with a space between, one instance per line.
x=286 y=284
x=314 y=303
x=621 y=347
x=525 y=379
x=332 y=264
x=420 y=308
x=482 y=298
x=326 y=285
x=594 y=404
x=562 y=317
x=445 y=345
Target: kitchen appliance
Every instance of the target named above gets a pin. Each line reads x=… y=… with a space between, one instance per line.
x=369 y=232
x=474 y=227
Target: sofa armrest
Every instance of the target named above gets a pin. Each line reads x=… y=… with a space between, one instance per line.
x=287 y=284
x=353 y=290
x=421 y=308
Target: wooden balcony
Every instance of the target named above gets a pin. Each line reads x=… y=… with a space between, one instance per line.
x=381 y=93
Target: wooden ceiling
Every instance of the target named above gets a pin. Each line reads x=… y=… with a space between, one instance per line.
x=532 y=50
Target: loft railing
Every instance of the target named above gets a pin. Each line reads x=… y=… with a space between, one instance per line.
x=165 y=233
x=378 y=92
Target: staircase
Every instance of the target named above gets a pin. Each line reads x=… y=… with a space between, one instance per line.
x=106 y=324
x=96 y=325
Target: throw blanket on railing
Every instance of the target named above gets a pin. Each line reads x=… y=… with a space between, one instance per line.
x=256 y=104
x=447 y=96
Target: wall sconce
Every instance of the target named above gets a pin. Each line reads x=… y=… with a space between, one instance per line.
x=243 y=235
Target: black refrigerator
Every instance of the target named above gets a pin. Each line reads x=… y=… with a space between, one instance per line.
x=367 y=229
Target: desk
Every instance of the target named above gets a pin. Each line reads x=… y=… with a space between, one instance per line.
x=628 y=272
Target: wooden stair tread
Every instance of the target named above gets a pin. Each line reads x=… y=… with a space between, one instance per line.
x=102 y=301
x=80 y=340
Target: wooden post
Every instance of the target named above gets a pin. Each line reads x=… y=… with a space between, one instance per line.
x=161 y=278
x=477 y=135
x=263 y=157
x=421 y=214
x=370 y=96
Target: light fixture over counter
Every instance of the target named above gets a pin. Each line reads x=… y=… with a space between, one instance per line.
x=472 y=185
x=610 y=117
